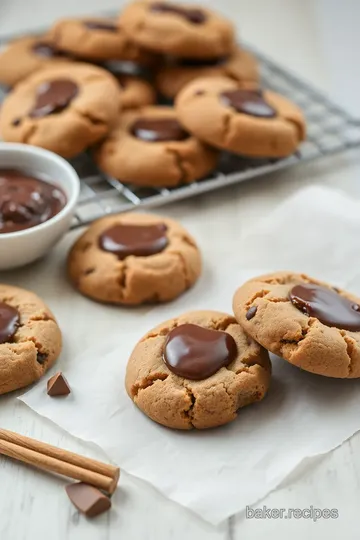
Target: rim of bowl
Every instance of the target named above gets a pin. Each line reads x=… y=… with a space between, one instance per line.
x=42 y=153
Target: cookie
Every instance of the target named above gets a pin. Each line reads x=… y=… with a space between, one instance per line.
x=244 y=121
x=64 y=108
x=241 y=66
x=134 y=259
x=30 y=339
x=24 y=56
x=148 y=147
x=135 y=92
x=309 y=323
x=179 y=30
x=97 y=39
x=197 y=371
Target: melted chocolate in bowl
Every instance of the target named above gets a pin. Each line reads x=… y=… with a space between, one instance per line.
x=137 y=240
x=331 y=308
x=158 y=130
x=196 y=353
x=194 y=16
x=26 y=201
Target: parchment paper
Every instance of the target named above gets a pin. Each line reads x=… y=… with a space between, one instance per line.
x=217 y=473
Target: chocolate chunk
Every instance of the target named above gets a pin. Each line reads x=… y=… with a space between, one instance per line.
x=196 y=353
x=138 y=240
x=41 y=358
x=328 y=306
x=9 y=322
x=194 y=16
x=108 y=26
x=88 y=499
x=201 y=62
x=16 y=122
x=248 y=102
x=158 y=130
x=26 y=201
x=58 y=385
x=251 y=313
x=49 y=51
x=53 y=97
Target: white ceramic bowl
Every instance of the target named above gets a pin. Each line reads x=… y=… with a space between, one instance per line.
x=23 y=247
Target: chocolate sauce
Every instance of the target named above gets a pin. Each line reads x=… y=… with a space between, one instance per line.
x=108 y=26
x=196 y=353
x=9 y=322
x=139 y=240
x=48 y=51
x=26 y=201
x=158 y=130
x=53 y=97
x=328 y=306
x=194 y=16
x=248 y=102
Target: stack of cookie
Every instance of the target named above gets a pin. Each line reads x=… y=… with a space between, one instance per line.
x=71 y=88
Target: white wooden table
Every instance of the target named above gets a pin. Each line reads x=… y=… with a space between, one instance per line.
x=34 y=505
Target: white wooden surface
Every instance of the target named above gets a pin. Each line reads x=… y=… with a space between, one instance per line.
x=33 y=505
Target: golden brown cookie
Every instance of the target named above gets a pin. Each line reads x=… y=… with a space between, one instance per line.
x=135 y=92
x=309 y=323
x=134 y=259
x=241 y=66
x=30 y=339
x=249 y=122
x=24 y=56
x=64 y=108
x=148 y=147
x=180 y=30
x=197 y=371
x=97 y=39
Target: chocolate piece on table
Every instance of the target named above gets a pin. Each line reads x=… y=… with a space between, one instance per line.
x=58 y=385
x=88 y=499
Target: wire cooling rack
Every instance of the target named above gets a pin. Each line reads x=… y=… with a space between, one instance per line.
x=330 y=130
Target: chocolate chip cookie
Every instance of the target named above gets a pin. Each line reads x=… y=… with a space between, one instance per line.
x=24 y=56
x=97 y=39
x=134 y=259
x=240 y=65
x=197 y=371
x=30 y=339
x=179 y=30
x=135 y=92
x=244 y=121
x=309 y=323
x=148 y=147
x=64 y=108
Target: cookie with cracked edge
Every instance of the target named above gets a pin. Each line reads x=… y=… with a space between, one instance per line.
x=98 y=39
x=30 y=339
x=134 y=259
x=22 y=57
x=64 y=109
x=241 y=120
x=273 y=313
x=166 y=155
x=182 y=403
x=180 y=30
x=240 y=65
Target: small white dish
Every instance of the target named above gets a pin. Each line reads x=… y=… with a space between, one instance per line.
x=23 y=247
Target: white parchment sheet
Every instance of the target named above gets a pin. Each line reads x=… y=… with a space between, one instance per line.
x=216 y=473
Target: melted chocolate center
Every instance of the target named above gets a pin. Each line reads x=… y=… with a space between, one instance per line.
x=248 y=102
x=328 y=306
x=138 y=240
x=108 y=26
x=194 y=16
x=196 y=353
x=9 y=322
x=158 y=130
x=200 y=62
x=26 y=201
x=53 y=97
x=47 y=50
